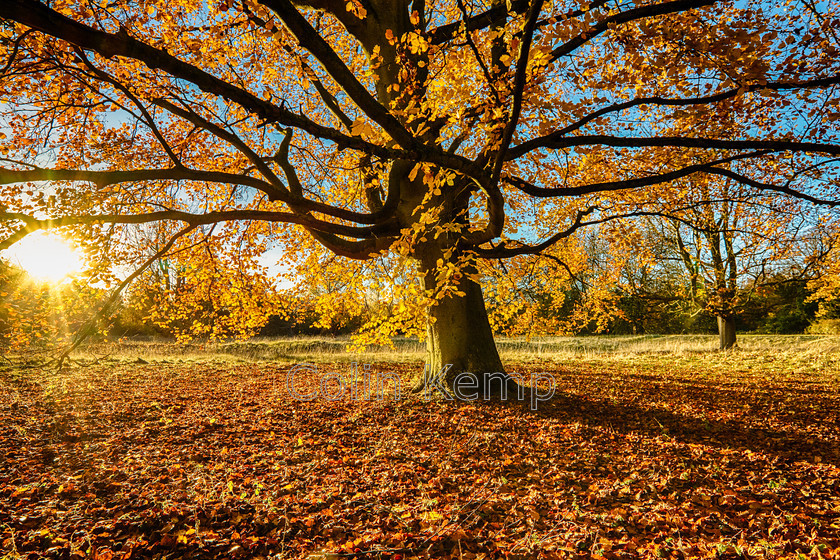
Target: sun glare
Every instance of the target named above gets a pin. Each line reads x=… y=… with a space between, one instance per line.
x=45 y=257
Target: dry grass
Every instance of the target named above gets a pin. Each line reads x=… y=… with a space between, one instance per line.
x=551 y=349
x=281 y=350
x=566 y=347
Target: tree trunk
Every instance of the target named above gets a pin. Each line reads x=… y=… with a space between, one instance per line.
x=726 y=330
x=461 y=355
x=459 y=334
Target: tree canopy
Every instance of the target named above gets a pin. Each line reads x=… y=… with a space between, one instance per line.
x=442 y=135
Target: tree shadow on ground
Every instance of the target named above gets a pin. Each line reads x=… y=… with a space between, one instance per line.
x=795 y=424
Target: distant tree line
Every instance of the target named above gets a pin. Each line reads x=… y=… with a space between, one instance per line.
x=657 y=275
x=666 y=281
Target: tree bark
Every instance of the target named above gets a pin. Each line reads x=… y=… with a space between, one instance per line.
x=459 y=334
x=726 y=330
x=461 y=354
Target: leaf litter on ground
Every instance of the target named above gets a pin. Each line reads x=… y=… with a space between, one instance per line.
x=635 y=457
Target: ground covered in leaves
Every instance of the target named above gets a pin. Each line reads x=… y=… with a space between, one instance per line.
x=731 y=456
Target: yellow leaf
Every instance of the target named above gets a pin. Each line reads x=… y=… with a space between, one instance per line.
x=413 y=174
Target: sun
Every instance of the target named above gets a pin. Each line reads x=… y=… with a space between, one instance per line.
x=46 y=257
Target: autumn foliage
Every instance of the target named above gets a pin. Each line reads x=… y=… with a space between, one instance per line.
x=435 y=147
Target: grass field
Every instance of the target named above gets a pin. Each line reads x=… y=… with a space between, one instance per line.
x=410 y=350
x=653 y=447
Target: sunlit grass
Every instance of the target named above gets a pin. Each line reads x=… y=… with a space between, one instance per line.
x=553 y=349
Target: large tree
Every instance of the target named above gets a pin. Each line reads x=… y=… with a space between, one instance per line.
x=442 y=133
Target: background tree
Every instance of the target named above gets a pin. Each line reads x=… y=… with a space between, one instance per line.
x=731 y=240
x=441 y=133
x=825 y=286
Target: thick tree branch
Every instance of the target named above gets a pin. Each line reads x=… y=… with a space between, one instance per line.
x=487 y=77
x=33 y=224
x=9 y=176
x=743 y=179
x=534 y=190
x=329 y=99
x=309 y=39
x=282 y=159
x=518 y=87
x=495 y=16
x=553 y=141
x=358 y=250
x=495 y=217
x=486 y=19
x=503 y=251
x=15 y=49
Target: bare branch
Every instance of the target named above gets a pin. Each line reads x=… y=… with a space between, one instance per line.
x=105 y=309
x=652 y=10
x=534 y=190
x=556 y=142
x=213 y=217
x=504 y=251
x=816 y=83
